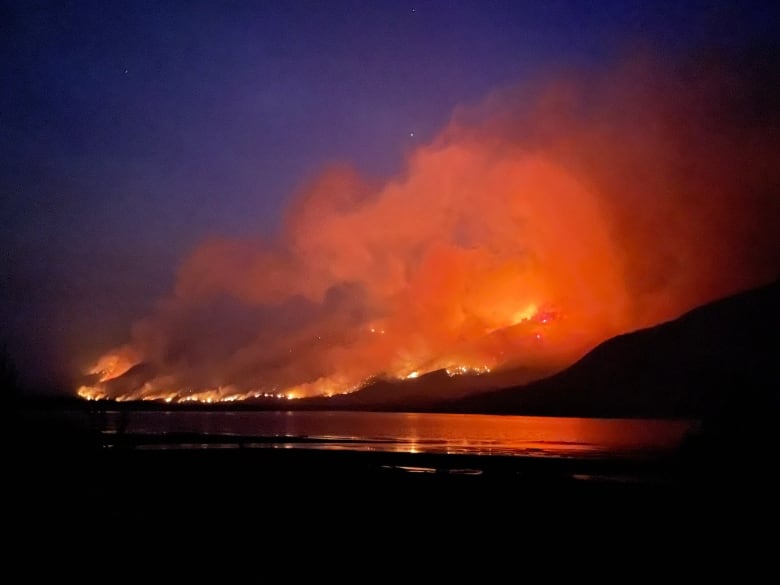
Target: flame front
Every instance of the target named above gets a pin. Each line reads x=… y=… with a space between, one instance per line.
x=518 y=237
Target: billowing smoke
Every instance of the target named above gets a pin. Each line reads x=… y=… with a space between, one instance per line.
x=533 y=227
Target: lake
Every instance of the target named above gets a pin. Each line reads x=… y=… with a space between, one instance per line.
x=431 y=433
x=142 y=465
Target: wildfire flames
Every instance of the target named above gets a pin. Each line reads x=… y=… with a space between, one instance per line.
x=530 y=229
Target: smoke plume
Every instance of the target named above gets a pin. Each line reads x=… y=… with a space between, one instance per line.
x=536 y=225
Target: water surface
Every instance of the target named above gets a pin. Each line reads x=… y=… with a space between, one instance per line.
x=396 y=432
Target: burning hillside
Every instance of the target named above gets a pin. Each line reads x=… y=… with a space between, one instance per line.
x=530 y=229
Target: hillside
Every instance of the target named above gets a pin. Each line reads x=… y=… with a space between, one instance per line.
x=723 y=355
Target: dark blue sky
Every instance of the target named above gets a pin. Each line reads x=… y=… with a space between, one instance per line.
x=131 y=130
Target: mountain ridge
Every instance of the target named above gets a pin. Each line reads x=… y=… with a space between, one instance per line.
x=686 y=367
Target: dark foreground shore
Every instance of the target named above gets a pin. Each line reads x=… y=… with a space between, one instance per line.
x=59 y=482
x=87 y=489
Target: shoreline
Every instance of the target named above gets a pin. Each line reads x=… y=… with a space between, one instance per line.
x=59 y=475
x=282 y=491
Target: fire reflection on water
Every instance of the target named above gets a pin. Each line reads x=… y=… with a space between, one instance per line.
x=413 y=433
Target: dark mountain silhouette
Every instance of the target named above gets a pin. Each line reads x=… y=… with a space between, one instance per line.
x=721 y=357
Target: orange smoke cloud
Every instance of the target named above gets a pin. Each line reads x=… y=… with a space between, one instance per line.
x=532 y=228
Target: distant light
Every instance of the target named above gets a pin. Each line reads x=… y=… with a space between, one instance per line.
x=411 y=134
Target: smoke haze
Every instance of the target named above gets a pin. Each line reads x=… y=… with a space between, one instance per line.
x=537 y=224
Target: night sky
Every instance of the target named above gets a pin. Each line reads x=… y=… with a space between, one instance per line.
x=130 y=131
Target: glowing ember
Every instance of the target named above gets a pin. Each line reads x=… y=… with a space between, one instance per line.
x=467 y=370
